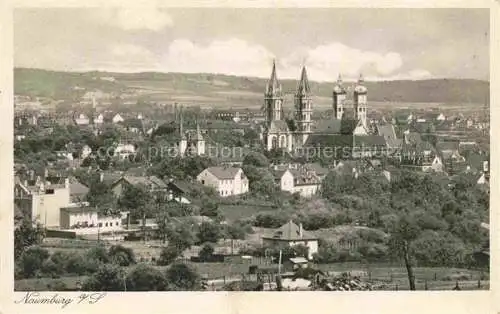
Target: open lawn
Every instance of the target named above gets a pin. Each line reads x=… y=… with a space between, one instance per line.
x=234 y=212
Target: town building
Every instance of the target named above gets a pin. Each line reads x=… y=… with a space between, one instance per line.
x=226 y=181
x=348 y=128
x=289 y=235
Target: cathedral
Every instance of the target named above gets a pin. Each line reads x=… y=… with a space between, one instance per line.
x=348 y=127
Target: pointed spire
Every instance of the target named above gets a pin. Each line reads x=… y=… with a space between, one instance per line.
x=199 y=137
x=361 y=79
x=273 y=86
x=339 y=79
x=303 y=88
x=181 y=127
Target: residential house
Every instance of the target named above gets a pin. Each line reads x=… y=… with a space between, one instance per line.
x=123 y=151
x=117 y=118
x=179 y=191
x=152 y=183
x=418 y=154
x=42 y=200
x=289 y=235
x=302 y=180
x=87 y=220
x=81 y=120
x=226 y=180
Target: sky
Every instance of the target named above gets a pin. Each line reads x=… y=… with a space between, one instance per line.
x=382 y=44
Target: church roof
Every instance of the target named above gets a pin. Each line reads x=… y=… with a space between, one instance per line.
x=335 y=126
x=303 y=87
x=389 y=133
x=278 y=126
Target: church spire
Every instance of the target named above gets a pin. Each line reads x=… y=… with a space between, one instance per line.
x=181 y=126
x=273 y=86
x=303 y=88
x=361 y=79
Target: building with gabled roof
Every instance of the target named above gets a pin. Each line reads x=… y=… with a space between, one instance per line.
x=226 y=180
x=289 y=235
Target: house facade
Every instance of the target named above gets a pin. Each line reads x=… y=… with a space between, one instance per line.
x=226 y=180
x=42 y=201
x=289 y=235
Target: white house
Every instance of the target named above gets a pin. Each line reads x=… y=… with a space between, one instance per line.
x=117 y=118
x=226 y=180
x=99 y=119
x=441 y=117
x=87 y=220
x=123 y=151
x=303 y=181
x=82 y=119
x=291 y=234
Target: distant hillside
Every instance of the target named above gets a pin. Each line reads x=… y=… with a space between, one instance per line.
x=62 y=85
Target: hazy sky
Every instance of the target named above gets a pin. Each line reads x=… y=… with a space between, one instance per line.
x=381 y=43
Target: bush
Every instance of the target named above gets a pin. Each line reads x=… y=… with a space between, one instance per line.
x=182 y=277
x=79 y=265
x=32 y=260
x=146 y=278
x=121 y=255
x=270 y=220
x=209 y=232
x=108 y=277
x=98 y=253
x=206 y=252
x=168 y=255
x=51 y=269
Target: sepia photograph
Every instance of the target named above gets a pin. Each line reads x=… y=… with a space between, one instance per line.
x=251 y=149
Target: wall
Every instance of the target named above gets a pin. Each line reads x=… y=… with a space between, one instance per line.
x=46 y=207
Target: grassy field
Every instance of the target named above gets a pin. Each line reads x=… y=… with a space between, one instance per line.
x=234 y=212
x=382 y=276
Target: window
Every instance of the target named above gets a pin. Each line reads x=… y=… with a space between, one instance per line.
x=202 y=181
x=49 y=191
x=117 y=223
x=106 y=224
x=100 y=224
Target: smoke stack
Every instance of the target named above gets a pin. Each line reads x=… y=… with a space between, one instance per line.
x=300 y=230
x=101 y=177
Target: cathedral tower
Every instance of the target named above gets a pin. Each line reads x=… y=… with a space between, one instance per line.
x=339 y=97
x=360 y=105
x=273 y=98
x=303 y=105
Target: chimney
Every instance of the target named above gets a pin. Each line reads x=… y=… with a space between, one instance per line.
x=485 y=166
x=46 y=173
x=101 y=176
x=66 y=183
x=300 y=230
x=32 y=174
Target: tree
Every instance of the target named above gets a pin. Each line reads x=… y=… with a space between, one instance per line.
x=182 y=277
x=109 y=277
x=209 y=232
x=121 y=255
x=101 y=196
x=403 y=234
x=180 y=236
x=98 y=253
x=146 y=278
x=26 y=235
x=139 y=201
x=168 y=255
x=32 y=260
x=206 y=252
x=256 y=159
